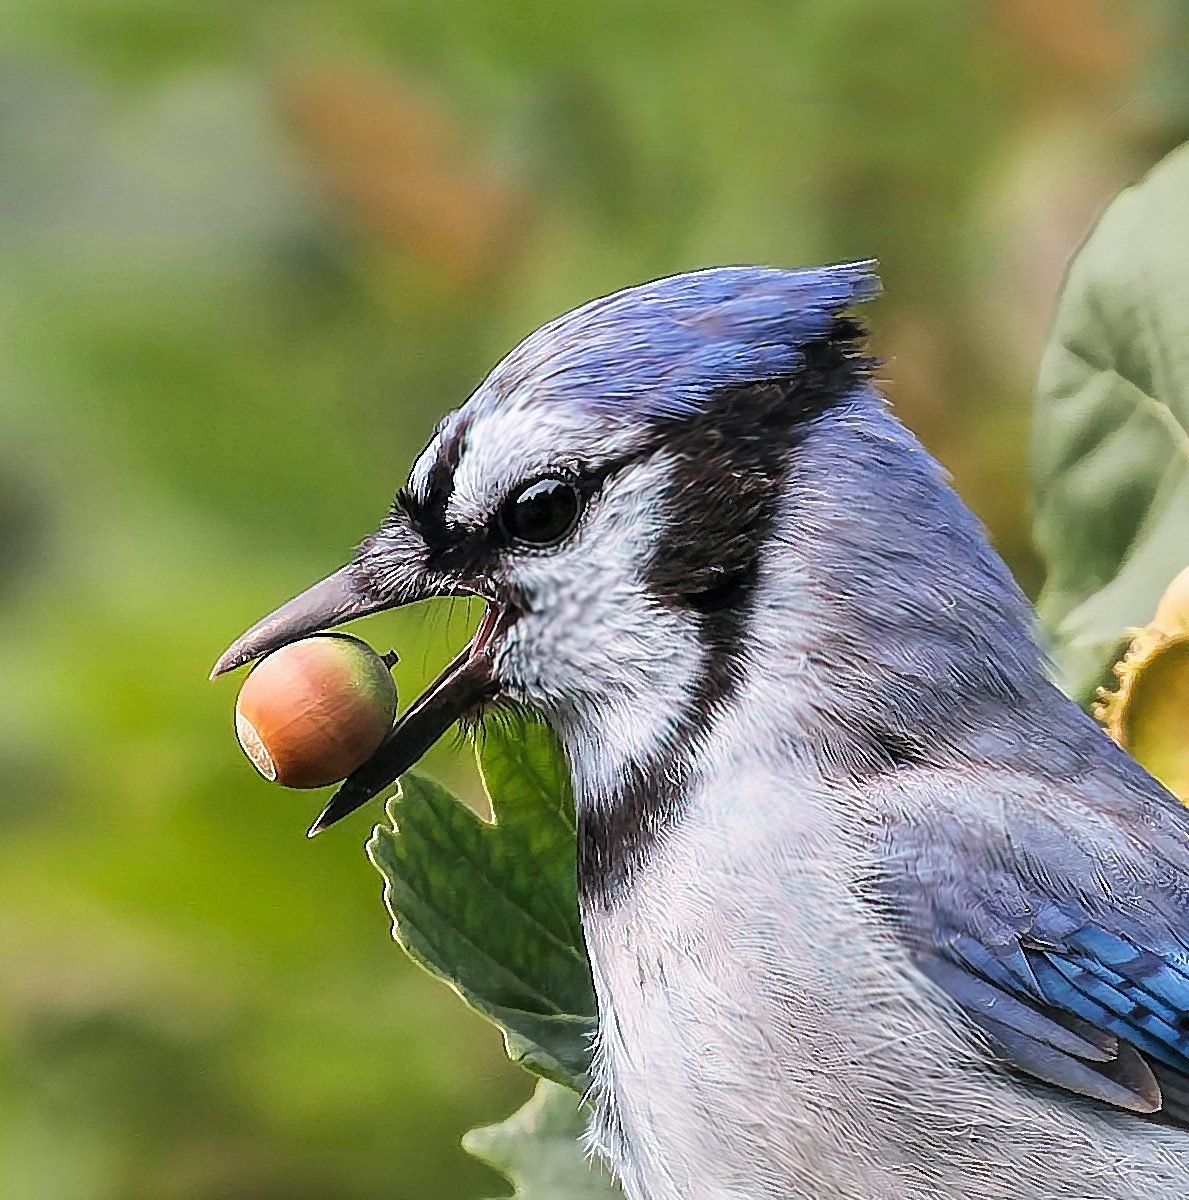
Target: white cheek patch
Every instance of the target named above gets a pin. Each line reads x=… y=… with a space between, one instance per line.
x=612 y=668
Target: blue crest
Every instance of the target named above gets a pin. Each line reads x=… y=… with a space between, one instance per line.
x=662 y=349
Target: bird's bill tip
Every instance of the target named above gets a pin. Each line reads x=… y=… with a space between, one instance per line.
x=329 y=602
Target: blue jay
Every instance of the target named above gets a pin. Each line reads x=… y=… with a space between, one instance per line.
x=874 y=912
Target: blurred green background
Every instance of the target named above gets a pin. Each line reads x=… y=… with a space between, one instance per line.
x=249 y=253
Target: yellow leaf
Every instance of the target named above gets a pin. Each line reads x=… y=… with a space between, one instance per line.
x=1148 y=715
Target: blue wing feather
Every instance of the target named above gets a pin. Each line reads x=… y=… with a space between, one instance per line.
x=1132 y=1016
x=1057 y=924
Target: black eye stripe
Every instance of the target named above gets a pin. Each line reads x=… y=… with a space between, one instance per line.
x=467 y=552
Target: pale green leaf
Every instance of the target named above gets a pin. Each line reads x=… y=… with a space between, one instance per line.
x=1111 y=448
x=540 y=1152
x=491 y=907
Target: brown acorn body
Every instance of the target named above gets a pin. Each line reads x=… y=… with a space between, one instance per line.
x=313 y=711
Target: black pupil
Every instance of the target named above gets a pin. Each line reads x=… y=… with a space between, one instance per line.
x=541 y=513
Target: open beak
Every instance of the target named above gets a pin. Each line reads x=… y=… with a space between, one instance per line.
x=467 y=682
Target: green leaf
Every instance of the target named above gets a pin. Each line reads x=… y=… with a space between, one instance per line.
x=1111 y=448
x=492 y=907
x=538 y=1149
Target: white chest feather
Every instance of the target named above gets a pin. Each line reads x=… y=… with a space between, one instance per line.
x=762 y=1035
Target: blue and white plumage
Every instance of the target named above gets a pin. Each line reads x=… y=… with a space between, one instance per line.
x=874 y=912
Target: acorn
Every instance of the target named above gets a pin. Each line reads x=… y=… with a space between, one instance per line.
x=1148 y=714
x=314 y=710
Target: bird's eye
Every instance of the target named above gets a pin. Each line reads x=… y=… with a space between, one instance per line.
x=541 y=513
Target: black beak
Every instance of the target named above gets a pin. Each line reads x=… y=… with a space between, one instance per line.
x=467 y=682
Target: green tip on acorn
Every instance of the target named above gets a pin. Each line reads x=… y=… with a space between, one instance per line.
x=314 y=710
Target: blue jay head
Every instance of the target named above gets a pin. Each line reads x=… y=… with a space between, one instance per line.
x=610 y=491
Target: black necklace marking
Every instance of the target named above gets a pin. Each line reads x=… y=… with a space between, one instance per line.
x=721 y=499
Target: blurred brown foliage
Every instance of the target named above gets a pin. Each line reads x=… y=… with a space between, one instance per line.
x=404 y=168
